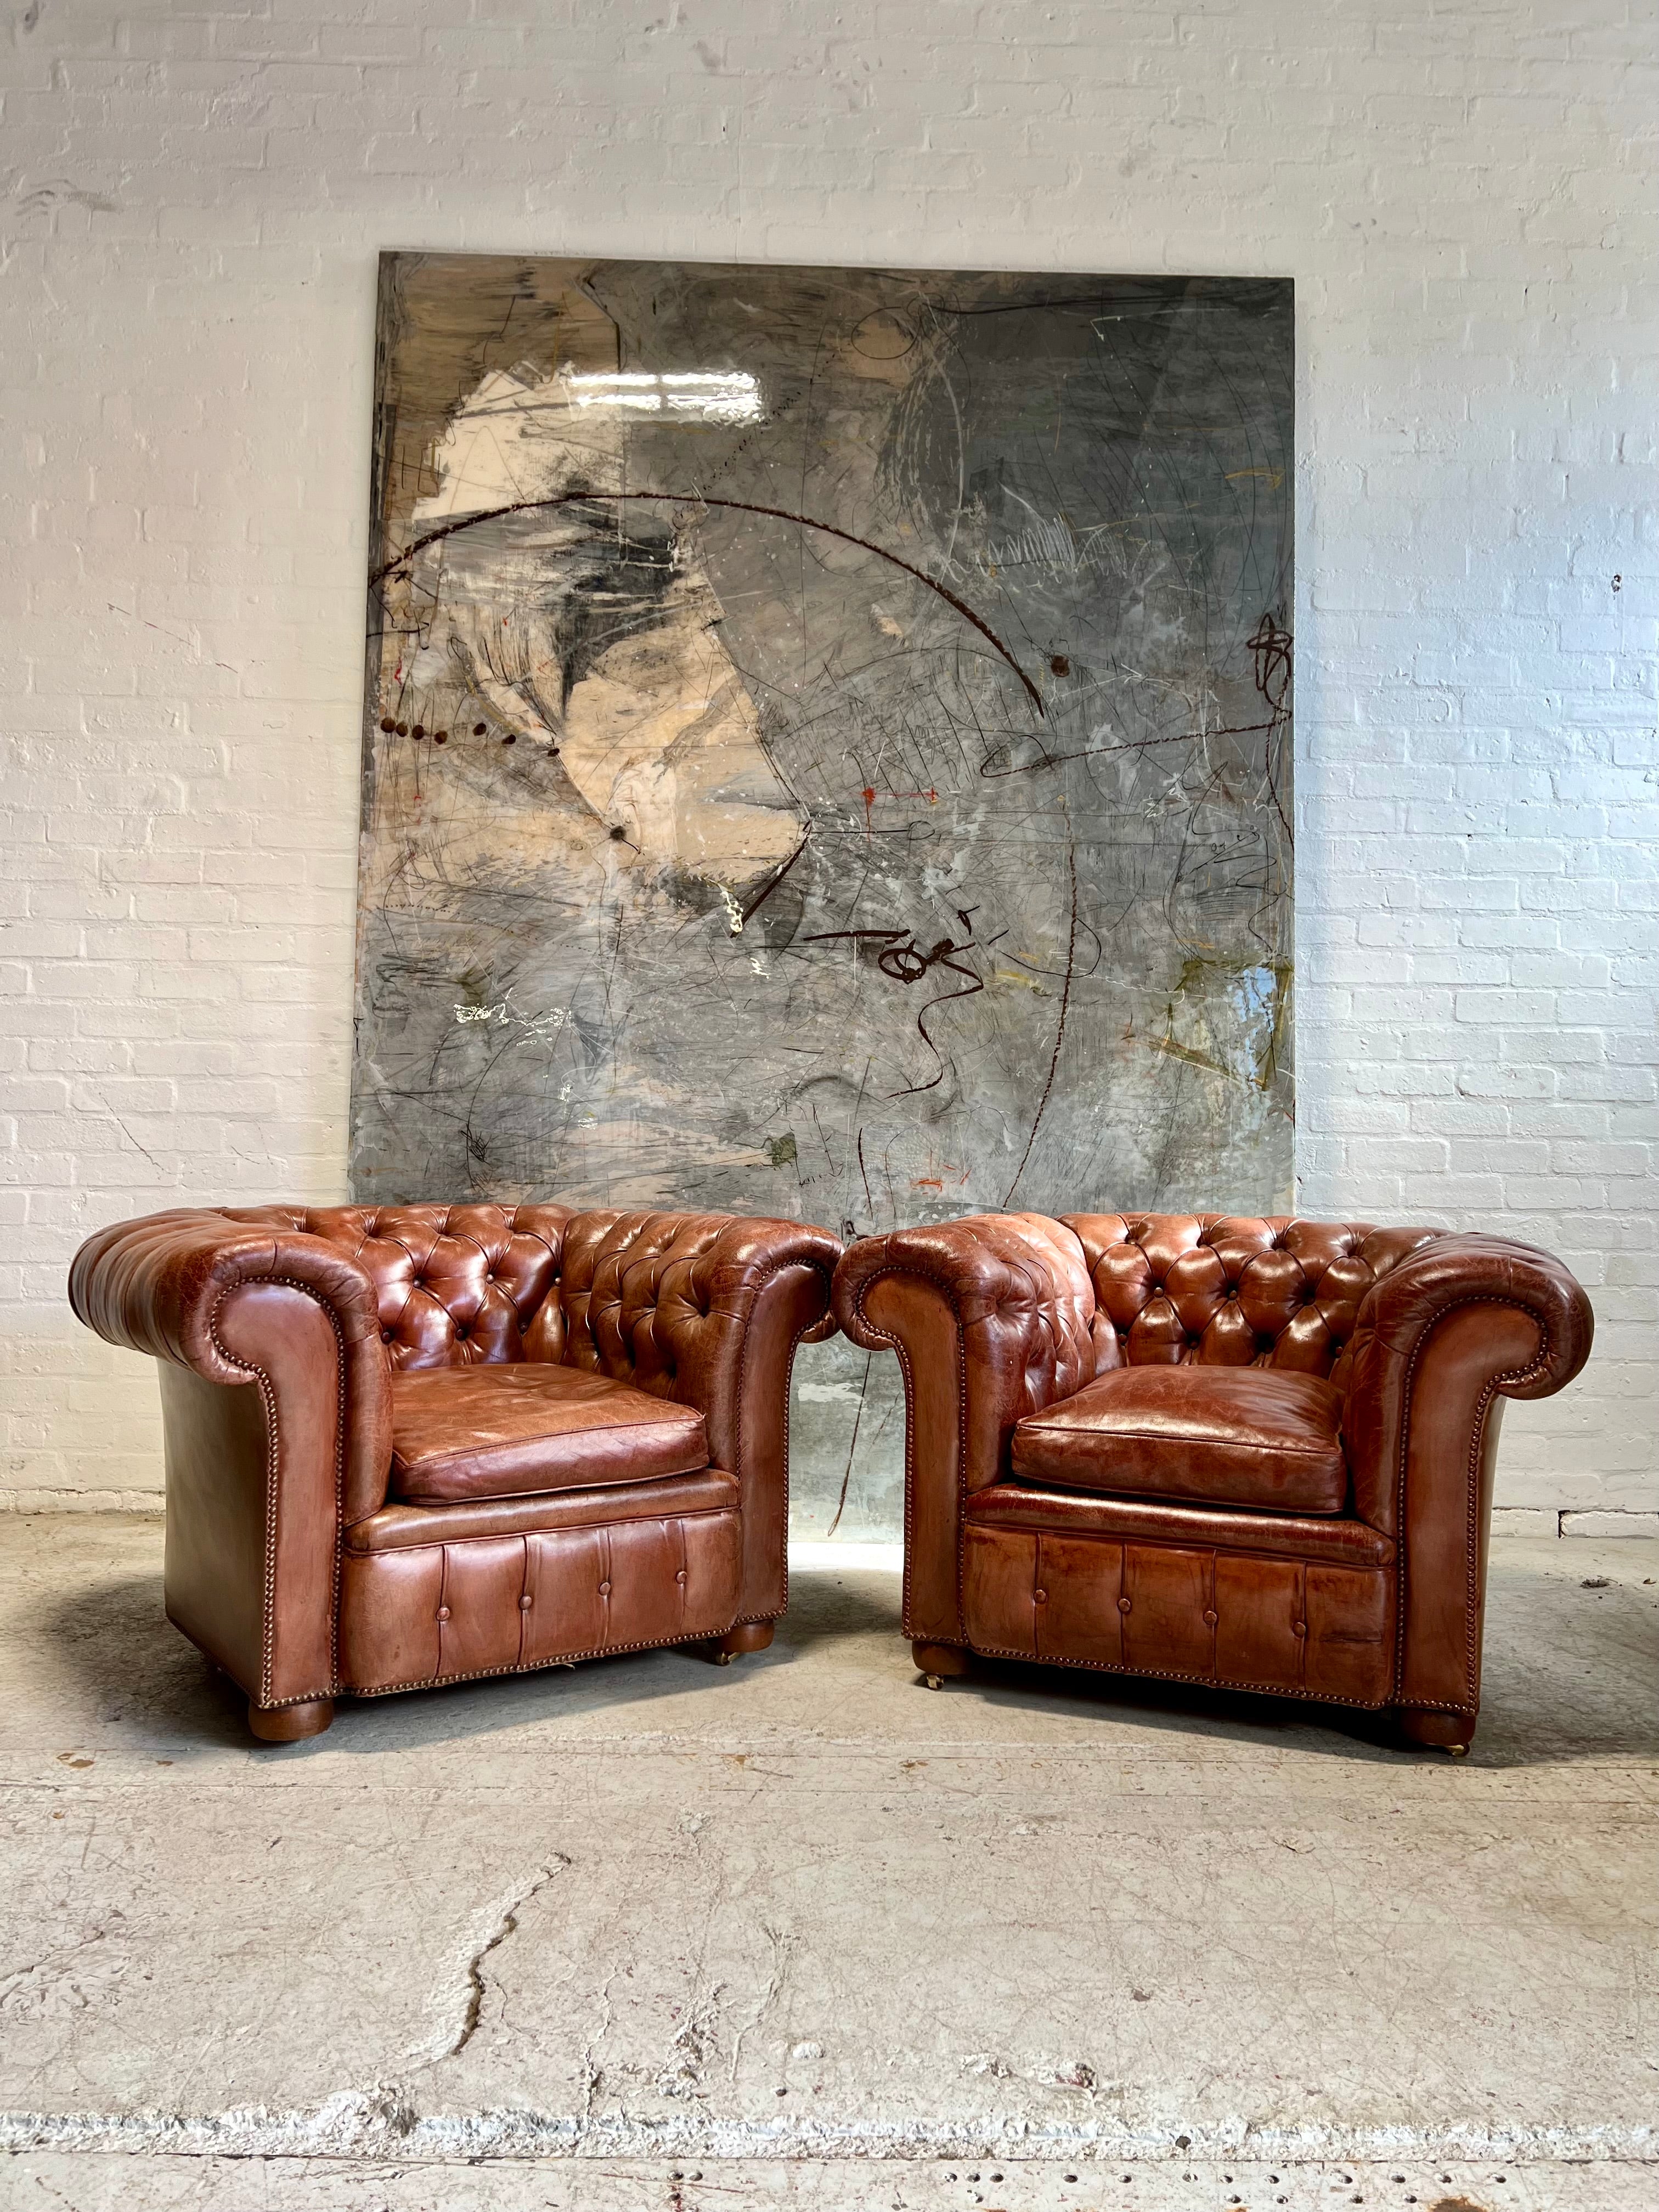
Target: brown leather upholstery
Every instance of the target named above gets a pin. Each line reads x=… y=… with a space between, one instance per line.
x=301 y=1346
x=395 y=1527
x=1206 y=1288
x=419 y=1614
x=455 y=1286
x=1225 y=1436
x=1404 y=1342
x=1333 y=1539
x=462 y=1433
x=1197 y=1615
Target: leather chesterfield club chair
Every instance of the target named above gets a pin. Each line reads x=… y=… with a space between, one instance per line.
x=1257 y=1454
x=415 y=1444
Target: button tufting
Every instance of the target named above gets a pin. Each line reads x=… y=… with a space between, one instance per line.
x=680 y=1575
x=1123 y=1605
x=386 y=1336
x=526 y=1602
x=443 y=1612
x=604 y=1589
x=1298 y=1628
x=1209 y=1618
x=1041 y=1596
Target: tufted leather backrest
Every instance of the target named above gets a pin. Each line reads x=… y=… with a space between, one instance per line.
x=663 y=1301
x=457 y=1286
x=1230 y=1291
x=641 y=1293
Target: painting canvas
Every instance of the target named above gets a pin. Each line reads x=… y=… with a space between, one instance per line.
x=827 y=742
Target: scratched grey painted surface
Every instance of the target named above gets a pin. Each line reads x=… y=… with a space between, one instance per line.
x=918 y=846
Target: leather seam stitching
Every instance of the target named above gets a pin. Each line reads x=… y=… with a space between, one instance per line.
x=776 y=1268
x=908 y=1268
x=1472 y=1533
x=896 y=1346
x=534 y=1666
x=1041 y=1421
x=268 y=1404
x=405 y=1469
x=1170 y=1674
x=1193 y=1543
x=565 y=1527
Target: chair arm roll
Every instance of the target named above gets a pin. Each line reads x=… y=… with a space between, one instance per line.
x=1523 y=1329
x=160 y=1285
x=1021 y=1292
x=155 y=1284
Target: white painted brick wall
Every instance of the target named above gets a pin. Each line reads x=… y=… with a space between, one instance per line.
x=191 y=202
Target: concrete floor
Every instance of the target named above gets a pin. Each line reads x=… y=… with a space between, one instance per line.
x=798 y=1933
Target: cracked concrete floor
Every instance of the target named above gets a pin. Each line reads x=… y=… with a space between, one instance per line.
x=799 y=1933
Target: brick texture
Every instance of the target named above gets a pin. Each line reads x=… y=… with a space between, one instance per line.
x=191 y=202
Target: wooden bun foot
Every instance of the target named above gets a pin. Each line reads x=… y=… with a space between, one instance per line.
x=290 y=1724
x=937 y=1660
x=1452 y=1732
x=749 y=1635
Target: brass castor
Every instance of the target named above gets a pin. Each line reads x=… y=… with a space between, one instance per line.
x=290 y=1724
x=935 y=1661
x=747 y=1636
x=1452 y=1732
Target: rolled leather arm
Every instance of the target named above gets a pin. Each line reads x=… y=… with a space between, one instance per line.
x=709 y=1309
x=1440 y=1342
x=155 y=1285
x=160 y=1285
x=990 y=1317
x=262 y=1479
x=1530 y=1331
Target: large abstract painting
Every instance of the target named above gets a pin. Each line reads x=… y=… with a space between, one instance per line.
x=828 y=744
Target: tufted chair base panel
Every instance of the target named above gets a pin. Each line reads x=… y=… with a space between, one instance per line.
x=421 y=1614
x=1219 y=1436
x=1239 y=1619
x=462 y=1433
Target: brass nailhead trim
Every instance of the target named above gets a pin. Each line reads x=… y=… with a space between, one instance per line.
x=268 y=1406
x=1472 y=1530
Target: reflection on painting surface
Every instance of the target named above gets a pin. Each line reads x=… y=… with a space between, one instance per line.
x=829 y=741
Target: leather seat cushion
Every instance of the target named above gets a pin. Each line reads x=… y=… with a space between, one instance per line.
x=1219 y=1436
x=510 y=1429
